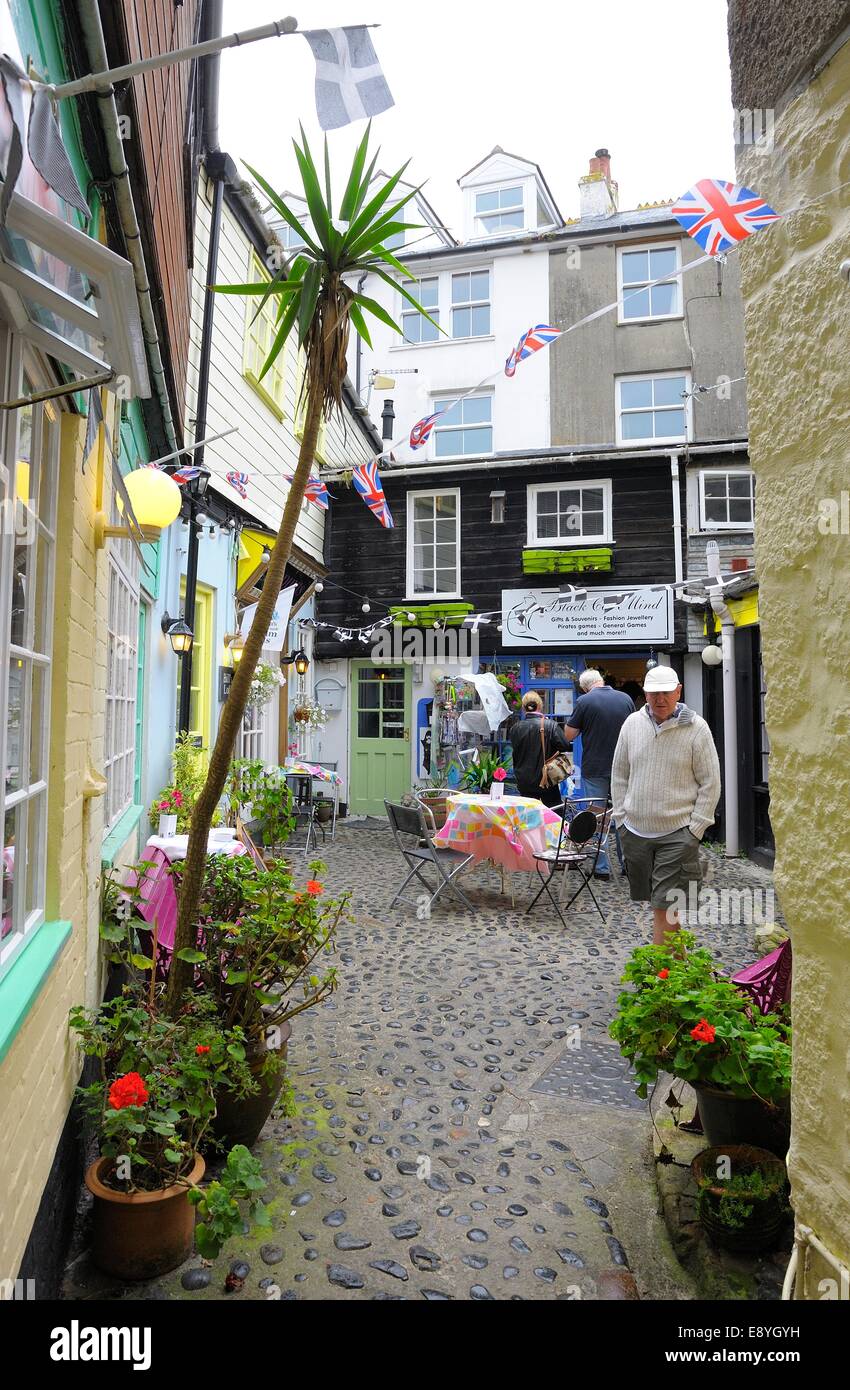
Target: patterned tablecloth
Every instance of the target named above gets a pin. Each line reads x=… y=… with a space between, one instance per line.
x=322 y=774
x=510 y=831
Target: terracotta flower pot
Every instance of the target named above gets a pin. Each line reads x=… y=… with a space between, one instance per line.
x=239 y=1119
x=141 y=1235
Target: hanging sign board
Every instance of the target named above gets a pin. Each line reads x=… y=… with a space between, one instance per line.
x=280 y=621
x=544 y=617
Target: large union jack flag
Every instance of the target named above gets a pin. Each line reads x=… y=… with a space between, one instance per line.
x=421 y=432
x=367 y=481
x=718 y=214
x=532 y=341
x=239 y=481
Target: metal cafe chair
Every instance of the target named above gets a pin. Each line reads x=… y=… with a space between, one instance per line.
x=302 y=804
x=411 y=834
x=572 y=852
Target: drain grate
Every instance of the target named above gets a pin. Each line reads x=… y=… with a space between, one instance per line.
x=594 y=1072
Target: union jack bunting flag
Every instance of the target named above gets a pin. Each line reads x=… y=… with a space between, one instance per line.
x=718 y=214
x=238 y=481
x=421 y=432
x=315 y=491
x=185 y=475
x=367 y=481
x=532 y=341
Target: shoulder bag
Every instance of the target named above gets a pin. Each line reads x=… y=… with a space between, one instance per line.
x=556 y=768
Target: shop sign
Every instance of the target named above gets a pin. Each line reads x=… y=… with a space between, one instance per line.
x=617 y=617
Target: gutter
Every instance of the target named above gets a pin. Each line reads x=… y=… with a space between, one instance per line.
x=501 y=462
x=92 y=31
x=545 y=241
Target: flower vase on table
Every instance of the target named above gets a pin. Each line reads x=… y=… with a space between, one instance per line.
x=167 y=827
x=497 y=786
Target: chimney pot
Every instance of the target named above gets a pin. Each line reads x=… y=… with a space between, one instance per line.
x=597 y=190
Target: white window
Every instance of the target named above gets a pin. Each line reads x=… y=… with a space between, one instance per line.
x=415 y=327
x=251 y=734
x=636 y=268
x=29 y=442
x=726 y=499
x=653 y=409
x=500 y=210
x=433 y=544
x=122 y=666
x=464 y=426
x=471 y=304
x=570 y=513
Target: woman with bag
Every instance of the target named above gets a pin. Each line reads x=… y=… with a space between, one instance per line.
x=540 y=761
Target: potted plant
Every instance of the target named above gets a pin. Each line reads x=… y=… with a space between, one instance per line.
x=187 y=763
x=324 y=809
x=309 y=714
x=260 y=794
x=260 y=962
x=433 y=794
x=684 y=1017
x=169 y=806
x=478 y=776
x=267 y=679
x=743 y=1196
x=151 y=1104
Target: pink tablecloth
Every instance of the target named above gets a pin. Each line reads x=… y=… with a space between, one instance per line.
x=157 y=898
x=510 y=831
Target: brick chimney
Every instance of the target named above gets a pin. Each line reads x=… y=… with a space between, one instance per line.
x=597 y=190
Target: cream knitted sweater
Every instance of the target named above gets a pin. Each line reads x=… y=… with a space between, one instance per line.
x=665 y=777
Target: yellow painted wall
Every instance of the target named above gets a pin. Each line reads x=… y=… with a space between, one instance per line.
x=798 y=369
x=41 y=1069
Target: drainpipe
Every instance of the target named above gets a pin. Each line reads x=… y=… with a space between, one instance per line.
x=220 y=169
x=730 y=718
x=677 y=517
x=359 y=351
x=120 y=177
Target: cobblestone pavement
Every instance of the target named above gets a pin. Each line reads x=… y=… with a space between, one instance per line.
x=465 y=1127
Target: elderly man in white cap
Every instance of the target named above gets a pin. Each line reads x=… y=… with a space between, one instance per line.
x=665 y=785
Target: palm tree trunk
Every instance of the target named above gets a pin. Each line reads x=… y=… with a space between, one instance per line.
x=181 y=972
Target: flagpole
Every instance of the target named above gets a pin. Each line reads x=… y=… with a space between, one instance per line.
x=95 y=81
x=190 y=448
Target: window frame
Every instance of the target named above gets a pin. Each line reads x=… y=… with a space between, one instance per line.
x=275 y=399
x=443 y=315
x=479 y=219
x=32 y=797
x=202 y=671
x=704 y=523
x=469 y=304
x=655 y=440
x=411 y=594
x=123 y=575
x=579 y=539
x=628 y=249
x=438 y=402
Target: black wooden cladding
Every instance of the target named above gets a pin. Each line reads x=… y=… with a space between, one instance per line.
x=370 y=561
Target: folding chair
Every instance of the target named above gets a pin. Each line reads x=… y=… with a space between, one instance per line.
x=302 y=804
x=411 y=834
x=572 y=853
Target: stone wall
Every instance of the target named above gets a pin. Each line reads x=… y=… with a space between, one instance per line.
x=798 y=364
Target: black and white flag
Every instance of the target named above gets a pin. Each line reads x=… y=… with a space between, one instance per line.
x=350 y=84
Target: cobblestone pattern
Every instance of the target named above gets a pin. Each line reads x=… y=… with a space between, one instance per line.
x=419 y=1164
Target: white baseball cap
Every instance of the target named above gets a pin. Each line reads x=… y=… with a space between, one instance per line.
x=660 y=678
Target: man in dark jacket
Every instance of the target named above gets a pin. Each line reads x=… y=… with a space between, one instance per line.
x=528 y=746
x=599 y=715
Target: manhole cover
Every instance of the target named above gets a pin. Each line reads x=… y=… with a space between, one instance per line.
x=593 y=1072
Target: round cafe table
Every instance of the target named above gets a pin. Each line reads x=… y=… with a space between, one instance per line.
x=509 y=831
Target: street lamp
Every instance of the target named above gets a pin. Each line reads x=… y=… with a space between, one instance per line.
x=179 y=634
x=155 y=500
x=237 y=647
x=299 y=659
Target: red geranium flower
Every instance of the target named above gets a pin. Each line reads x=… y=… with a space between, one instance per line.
x=499 y=775
x=201 y=1049
x=704 y=1032
x=314 y=887
x=128 y=1090
x=662 y=974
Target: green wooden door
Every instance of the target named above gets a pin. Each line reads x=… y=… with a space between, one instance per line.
x=380 y=736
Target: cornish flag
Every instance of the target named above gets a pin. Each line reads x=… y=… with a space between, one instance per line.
x=367 y=481
x=349 y=82
x=421 y=432
x=718 y=214
x=532 y=341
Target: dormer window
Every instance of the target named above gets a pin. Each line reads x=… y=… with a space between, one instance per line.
x=501 y=210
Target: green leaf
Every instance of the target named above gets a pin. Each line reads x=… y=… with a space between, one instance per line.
x=287 y=215
x=173 y=1156
x=288 y=286
x=188 y=953
x=142 y=962
x=359 y=323
x=313 y=194
x=394 y=284
x=373 y=307
x=112 y=931
x=349 y=207
x=367 y=216
x=328 y=196
x=237 y=977
x=236 y=1050
x=307 y=307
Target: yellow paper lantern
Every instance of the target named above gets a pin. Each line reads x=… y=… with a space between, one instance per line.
x=155 y=497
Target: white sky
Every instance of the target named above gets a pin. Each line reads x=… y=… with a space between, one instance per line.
x=551 y=81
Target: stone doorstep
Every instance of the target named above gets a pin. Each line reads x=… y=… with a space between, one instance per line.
x=718 y=1274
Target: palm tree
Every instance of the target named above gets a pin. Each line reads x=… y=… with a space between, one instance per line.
x=315 y=299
